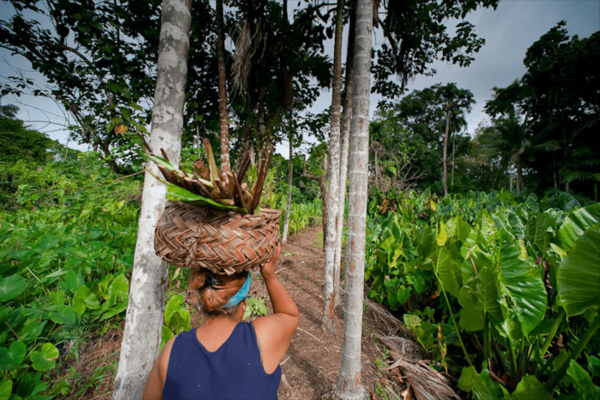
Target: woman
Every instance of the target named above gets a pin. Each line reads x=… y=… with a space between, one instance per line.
x=225 y=358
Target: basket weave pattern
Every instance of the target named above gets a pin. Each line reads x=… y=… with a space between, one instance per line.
x=222 y=242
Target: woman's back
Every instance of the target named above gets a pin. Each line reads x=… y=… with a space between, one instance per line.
x=233 y=371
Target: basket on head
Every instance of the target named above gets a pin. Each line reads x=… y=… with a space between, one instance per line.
x=220 y=241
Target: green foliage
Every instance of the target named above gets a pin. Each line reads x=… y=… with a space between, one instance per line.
x=19 y=143
x=501 y=271
x=66 y=251
x=557 y=96
x=255 y=308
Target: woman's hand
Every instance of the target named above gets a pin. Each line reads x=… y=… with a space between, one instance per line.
x=268 y=269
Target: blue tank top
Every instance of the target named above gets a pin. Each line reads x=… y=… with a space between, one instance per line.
x=234 y=371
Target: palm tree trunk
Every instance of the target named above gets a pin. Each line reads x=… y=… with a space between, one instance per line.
x=145 y=312
x=349 y=384
x=334 y=175
x=224 y=131
x=288 y=207
x=349 y=85
x=445 y=177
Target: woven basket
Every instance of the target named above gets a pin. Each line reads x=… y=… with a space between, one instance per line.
x=222 y=242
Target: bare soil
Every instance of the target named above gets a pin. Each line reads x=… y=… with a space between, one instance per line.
x=310 y=367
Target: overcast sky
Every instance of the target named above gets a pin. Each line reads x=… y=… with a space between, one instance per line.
x=508 y=32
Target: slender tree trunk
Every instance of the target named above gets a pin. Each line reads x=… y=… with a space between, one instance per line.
x=349 y=85
x=224 y=130
x=453 y=158
x=324 y=196
x=519 y=175
x=288 y=207
x=445 y=177
x=334 y=176
x=145 y=312
x=349 y=382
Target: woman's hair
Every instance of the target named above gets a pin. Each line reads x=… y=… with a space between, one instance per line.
x=211 y=292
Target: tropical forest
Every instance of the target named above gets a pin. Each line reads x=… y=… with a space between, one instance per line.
x=439 y=235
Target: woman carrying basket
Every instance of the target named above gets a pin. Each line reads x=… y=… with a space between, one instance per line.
x=226 y=358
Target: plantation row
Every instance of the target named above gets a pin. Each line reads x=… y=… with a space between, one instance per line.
x=66 y=254
x=500 y=290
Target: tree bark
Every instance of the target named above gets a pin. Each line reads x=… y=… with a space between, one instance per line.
x=224 y=130
x=453 y=158
x=288 y=207
x=349 y=382
x=330 y=229
x=145 y=312
x=349 y=85
x=519 y=174
x=445 y=177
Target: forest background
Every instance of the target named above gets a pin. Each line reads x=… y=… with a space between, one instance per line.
x=538 y=161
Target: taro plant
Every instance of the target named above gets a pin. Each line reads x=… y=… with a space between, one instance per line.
x=514 y=288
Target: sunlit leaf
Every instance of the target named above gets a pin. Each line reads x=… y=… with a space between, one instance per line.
x=11 y=287
x=576 y=223
x=45 y=358
x=524 y=287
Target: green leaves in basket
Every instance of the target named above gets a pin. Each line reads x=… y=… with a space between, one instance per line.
x=177 y=193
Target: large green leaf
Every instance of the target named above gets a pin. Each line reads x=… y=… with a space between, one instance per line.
x=45 y=358
x=576 y=223
x=84 y=298
x=537 y=231
x=12 y=287
x=64 y=315
x=5 y=389
x=74 y=280
x=12 y=357
x=479 y=301
x=582 y=381
x=578 y=277
x=529 y=389
x=177 y=193
x=173 y=305
x=425 y=241
x=480 y=384
x=524 y=286
x=447 y=272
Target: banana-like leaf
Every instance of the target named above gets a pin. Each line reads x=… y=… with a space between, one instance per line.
x=576 y=223
x=578 y=276
x=524 y=286
x=479 y=301
x=176 y=193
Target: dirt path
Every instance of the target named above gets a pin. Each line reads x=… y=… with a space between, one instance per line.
x=310 y=367
x=312 y=363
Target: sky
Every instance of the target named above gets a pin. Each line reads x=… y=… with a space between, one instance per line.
x=509 y=31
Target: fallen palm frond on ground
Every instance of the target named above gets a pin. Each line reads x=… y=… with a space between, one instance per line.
x=421 y=380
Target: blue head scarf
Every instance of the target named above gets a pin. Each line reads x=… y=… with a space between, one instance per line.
x=240 y=295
